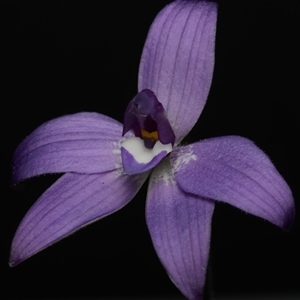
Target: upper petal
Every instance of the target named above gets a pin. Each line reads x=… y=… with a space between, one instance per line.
x=83 y=142
x=178 y=59
x=232 y=169
x=72 y=202
x=180 y=227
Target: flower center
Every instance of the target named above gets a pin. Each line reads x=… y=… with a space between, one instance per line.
x=149 y=135
x=154 y=137
x=146 y=117
x=150 y=138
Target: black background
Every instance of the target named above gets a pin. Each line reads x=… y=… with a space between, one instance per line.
x=62 y=57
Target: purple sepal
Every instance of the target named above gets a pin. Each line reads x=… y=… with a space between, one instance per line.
x=232 y=169
x=180 y=227
x=85 y=143
x=131 y=166
x=145 y=112
x=73 y=201
x=178 y=61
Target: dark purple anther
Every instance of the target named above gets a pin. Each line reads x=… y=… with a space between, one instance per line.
x=145 y=115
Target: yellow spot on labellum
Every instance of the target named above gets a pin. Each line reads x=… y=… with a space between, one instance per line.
x=150 y=135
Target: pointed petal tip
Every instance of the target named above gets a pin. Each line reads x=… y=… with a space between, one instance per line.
x=289 y=219
x=13 y=263
x=17 y=255
x=14 y=260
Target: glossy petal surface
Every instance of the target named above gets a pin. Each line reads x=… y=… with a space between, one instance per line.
x=180 y=226
x=83 y=143
x=72 y=202
x=233 y=170
x=178 y=60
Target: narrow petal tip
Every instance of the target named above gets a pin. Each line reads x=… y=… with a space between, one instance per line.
x=12 y=263
x=288 y=222
x=15 y=259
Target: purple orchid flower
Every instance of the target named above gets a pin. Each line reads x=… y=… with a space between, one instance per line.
x=106 y=163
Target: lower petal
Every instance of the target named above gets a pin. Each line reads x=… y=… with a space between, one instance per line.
x=233 y=170
x=72 y=202
x=136 y=158
x=180 y=227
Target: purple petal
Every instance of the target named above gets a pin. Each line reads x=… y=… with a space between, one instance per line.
x=180 y=226
x=232 y=169
x=83 y=143
x=178 y=59
x=137 y=158
x=72 y=202
x=132 y=165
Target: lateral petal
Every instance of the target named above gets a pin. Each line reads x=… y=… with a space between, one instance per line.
x=234 y=170
x=178 y=60
x=180 y=227
x=72 y=202
x=83 y=143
